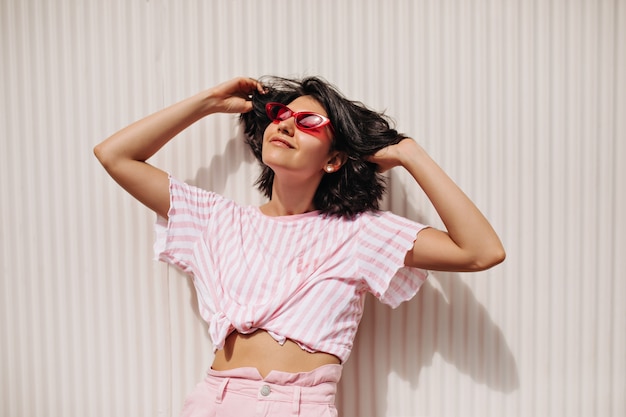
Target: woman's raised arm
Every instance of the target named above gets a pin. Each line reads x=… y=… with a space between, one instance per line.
x=470 y=243
x=124 y=154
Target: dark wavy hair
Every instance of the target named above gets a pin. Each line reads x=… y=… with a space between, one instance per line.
x=358 y=132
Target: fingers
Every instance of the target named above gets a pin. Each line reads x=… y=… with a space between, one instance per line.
x=247 y=85
x=378 y=156
x=385 y=158
x=259 y=86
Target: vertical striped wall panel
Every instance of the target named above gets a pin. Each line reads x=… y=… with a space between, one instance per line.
x=522 y=102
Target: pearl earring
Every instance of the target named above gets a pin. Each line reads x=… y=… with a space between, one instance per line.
x=329 y=169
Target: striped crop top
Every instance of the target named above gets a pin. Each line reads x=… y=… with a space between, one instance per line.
x=301 y=277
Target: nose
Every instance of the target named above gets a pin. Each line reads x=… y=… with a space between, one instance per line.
x=286 y=126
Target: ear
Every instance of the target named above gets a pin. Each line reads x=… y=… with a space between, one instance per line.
x=336 y=160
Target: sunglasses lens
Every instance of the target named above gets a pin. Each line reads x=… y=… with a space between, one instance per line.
x=277 y=112
x=309 y=120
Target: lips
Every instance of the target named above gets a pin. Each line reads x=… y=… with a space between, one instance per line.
x=281 y=142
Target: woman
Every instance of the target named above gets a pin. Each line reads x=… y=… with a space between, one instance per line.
x=282 y=285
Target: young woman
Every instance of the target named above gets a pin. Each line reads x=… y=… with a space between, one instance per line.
x=281 y=286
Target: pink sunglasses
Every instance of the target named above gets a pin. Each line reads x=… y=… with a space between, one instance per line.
x=304 y=120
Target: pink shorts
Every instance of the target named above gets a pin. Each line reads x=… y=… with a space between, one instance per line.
x=244 y=392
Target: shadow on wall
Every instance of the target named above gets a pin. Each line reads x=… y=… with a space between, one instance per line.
x=443 y=318
x=221 y=166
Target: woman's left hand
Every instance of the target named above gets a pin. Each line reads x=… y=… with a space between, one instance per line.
x=393 y=155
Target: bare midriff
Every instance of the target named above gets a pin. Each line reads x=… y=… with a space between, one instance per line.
x=259 y=350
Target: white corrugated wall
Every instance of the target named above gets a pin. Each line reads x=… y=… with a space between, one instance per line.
x=522 y=102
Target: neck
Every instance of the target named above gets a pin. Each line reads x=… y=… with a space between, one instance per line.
x=291 y=197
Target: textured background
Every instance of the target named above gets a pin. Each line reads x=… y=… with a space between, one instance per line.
x=522 y=102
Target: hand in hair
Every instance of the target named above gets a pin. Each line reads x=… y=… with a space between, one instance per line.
x=392 y=155
x=234 y=96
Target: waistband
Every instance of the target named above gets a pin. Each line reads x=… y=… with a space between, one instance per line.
x=324 y=373
x=318 y=386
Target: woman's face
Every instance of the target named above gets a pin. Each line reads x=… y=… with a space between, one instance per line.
x=298 y=152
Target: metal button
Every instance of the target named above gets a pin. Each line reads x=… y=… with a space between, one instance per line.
x=265 y=390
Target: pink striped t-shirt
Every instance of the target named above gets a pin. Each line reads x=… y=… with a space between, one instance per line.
x=301 y=277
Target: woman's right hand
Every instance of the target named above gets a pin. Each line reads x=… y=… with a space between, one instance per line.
x=233 y=96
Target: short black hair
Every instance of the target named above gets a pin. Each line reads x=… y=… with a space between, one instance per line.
x=358 y=132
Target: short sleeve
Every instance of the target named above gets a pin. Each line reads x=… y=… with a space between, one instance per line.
x=384 y=241
x=190 y=211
